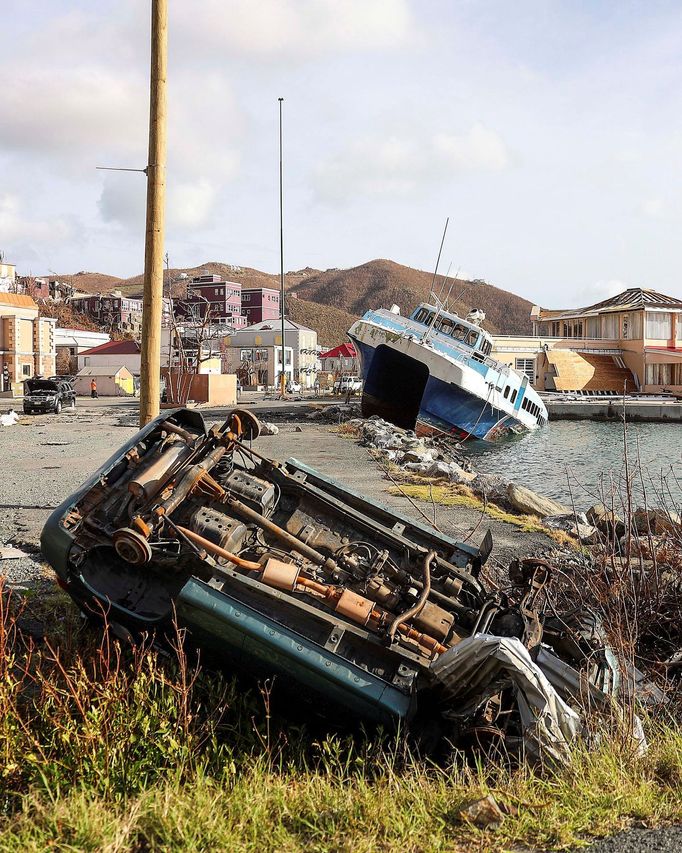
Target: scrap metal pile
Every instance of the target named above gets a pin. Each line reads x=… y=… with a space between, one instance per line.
x=279 y=570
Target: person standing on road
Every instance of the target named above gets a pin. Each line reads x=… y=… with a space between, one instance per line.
x=93 y=389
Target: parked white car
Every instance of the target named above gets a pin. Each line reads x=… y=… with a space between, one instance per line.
x=293 y=387
x=347 y=383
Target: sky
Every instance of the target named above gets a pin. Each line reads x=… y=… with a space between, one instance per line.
x=548 y=131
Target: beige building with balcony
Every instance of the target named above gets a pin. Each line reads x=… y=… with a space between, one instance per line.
x=27 y=345
x=632 y=341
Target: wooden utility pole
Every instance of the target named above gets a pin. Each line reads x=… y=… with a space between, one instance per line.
x=150 y=362
x=283 y=380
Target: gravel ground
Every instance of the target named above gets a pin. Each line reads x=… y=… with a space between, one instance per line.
x=666 y=840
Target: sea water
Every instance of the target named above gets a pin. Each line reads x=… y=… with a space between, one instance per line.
x=584 y=462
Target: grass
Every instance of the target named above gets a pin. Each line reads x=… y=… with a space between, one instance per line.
x=105 y=748
x=446 y=494
x=342 y=805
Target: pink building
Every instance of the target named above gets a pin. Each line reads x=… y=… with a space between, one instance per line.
x=222 y=298
x=260 y=303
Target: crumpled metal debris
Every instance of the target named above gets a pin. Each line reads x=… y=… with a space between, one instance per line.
x=476 y=669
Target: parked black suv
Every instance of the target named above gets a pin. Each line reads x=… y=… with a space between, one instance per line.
x=48 y=395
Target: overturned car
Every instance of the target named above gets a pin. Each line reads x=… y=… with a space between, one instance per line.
x=277 y=569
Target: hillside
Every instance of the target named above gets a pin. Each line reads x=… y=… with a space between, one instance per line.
x=91 y=282
x=329 y=301
x=331 y=324
x=380 y=283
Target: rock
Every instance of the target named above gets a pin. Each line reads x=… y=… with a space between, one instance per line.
x=656 y=521
x=492 y=486
x=298 y=429
x=605 y=520
x=420 y=454
x=484 y=813
x=574 y=524
x=531 y=503
x=268 y=428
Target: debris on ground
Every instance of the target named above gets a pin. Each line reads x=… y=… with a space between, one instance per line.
x=484 y=813
x=9 y=418
x=363 y=612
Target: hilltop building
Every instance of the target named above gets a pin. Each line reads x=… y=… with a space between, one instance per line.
x=26 y=342
x=112 y=311
x=632 y=340
x=259 y=304
x=219 y=299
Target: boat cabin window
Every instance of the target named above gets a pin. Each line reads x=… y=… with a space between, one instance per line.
x=486 y=347
x=421 y=315
x=513 y=396
x=445 y=325
x=506 y=392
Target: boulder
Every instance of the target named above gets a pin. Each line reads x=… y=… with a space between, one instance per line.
x=420 y=454
x=605 y=520
x=268 y=428
x=529 y=502
x=656 y=521
x=491 y=486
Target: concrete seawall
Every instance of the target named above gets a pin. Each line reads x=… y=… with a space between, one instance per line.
x=610 y=409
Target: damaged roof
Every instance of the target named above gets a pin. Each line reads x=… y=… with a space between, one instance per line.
x=632 y=299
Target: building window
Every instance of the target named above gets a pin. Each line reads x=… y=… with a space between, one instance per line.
x=659 y=325
x=663 y=374
x=25 y=369
x=526 y=366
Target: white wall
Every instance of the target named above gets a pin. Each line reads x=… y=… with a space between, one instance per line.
x=105 y=361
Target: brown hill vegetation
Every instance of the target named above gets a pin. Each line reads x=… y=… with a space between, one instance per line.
x=329 y=301
x=331 y=324
x=380 y=283
x=92 y=282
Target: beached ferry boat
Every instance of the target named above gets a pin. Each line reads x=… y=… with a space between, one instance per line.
x=432 y=372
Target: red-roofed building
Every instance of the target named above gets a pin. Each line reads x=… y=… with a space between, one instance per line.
x=113 y=354
x=340 y=359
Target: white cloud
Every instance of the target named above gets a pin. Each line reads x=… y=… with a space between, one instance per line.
x=191 y=204
x=653 y=208
x=478 y=148
x=273 y=29
x=408 y=165
x=18 y=227
x=597 y=292
x=62 y=113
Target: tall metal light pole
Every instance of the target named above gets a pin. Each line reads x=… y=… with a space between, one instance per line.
x=282 y=382
x=150 y=360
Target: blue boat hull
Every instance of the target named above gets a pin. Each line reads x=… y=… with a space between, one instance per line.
x=443 y=407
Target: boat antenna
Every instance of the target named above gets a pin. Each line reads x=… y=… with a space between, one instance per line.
x=435 y=272
x=445 y=278
x=447 y=298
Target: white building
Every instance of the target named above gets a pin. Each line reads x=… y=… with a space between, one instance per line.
x=112 y=355
x=267 y=335
x=7 y=278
